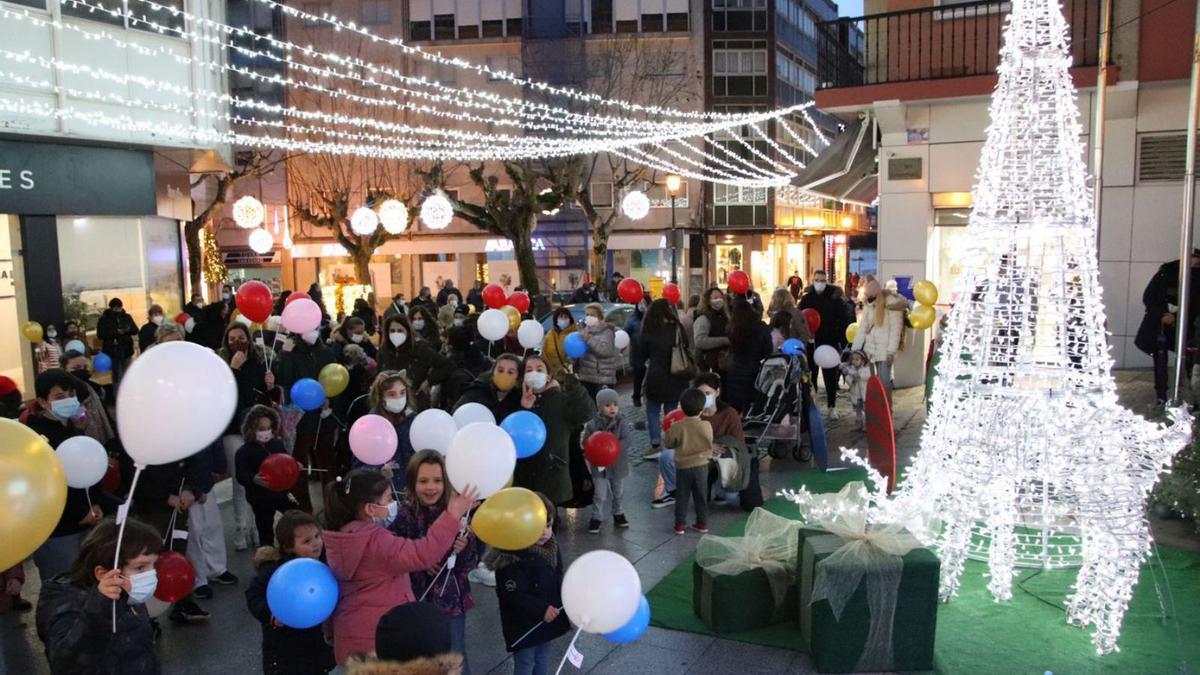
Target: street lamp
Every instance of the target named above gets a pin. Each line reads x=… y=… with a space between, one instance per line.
x=674 y=183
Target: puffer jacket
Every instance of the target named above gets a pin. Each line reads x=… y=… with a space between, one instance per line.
x=598 y=364
x=881 y=338
x=527 y=582
x=554 y=350
x=564 y=410
x=75 y=624
x=623 y=430
x=285 y=650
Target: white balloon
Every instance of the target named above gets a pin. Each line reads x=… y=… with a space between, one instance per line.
x=244 y=320
x=827 y=356
x=84 y=461
x=190 y=325
x=273 y=323
x=432 y=429
x=482 y=455
x=470 y=413
x=174 y=400
x=601 y=591
x=621 y=339
x=530 y=334
x=493 y=324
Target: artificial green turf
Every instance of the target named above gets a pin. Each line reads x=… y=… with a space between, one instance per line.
x=1029 y=634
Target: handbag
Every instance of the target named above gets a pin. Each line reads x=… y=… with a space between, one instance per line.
x=682 y=363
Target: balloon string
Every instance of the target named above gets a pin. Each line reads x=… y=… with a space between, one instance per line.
x=530 y=632
x=570 y=648
x=87 y=492
x=137 y=472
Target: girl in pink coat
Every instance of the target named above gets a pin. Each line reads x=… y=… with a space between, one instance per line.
x=372 y=564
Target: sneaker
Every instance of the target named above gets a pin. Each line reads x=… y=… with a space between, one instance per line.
x=482 y=575
x=203 y=592
x=240 y=540
x=619 y=521
x=663 y=501
x=702 y=528
x=593 y=526
x=833 y=415
x=679 y=529
x=718 y=498
x=637 y=401
x=654 y=453
x=224 y=579
x=187 y=611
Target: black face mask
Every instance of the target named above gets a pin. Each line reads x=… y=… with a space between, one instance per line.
x=871 y=298
x=82 y=373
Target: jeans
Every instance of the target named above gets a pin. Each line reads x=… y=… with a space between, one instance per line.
x=666 y=468
x=606 y=502
x=830 y=375
x=532 y=660
x=56 y=554
x=458 y=639
x=884 y=370
x=654 y=414
x=693 y=485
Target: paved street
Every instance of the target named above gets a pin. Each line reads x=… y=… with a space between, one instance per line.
x=229 y=643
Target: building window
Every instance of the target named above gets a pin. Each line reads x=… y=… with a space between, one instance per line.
x=602 y=16
x=601 y=194
x=468 y=32
x=652 y=23
x=493 y=28
x=513 y=26
x=677 y=21
x=443 y=26
x=36 y=4
x=739 y=72
x=376 y=12
x=420 y=30
x=739 y=15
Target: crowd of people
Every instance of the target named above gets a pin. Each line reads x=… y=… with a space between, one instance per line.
x=387 y=531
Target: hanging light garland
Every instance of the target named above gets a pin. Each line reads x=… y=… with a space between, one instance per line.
x=437 y=211
x=261 y=241
x=393 y=214
x=212 y=265
x=363 y=221
x=248 y=212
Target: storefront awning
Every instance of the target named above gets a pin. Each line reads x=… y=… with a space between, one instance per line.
x=847 y=169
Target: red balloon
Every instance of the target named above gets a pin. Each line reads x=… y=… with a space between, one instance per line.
x=254 y=301
x=292 y=298
x=739 y=281
x=630 y=290
x=182 y=318
x=280 y=470
x=493 y=296
x=671 y=418
x=813 y=317
x=175 y=577
x=670 y=293
x=602 y=449
x=519 y=300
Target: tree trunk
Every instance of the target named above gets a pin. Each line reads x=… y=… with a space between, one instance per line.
x=526 y=264
x=599 y=262
x=362 y=270
x=191 y=239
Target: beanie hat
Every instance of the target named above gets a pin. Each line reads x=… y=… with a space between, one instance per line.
x=606 y=396
x=7 y=386
x=412 y=631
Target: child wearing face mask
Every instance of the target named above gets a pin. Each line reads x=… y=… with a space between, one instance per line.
x=390 y=400
x=609 y=481
x=47 y=352
x=260 y=432
x=427 y=494
x=75 y=610
x=286 y=650
x=371 y=564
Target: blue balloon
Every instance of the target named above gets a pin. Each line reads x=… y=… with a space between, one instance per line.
x=575 y=345
x=635 y=627
x=308 y=394
x=102 y=363
x=792 y=346
x=302 y=593
x=527 y=430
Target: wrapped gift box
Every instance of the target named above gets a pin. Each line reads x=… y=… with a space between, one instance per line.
x=728 y=603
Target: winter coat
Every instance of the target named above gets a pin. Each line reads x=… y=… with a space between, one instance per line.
x=421 y=363
x=527 y=582
x=442 y=664
x=285 y=650
x=372 y=567
x=247 y=461
x=554 y=350
x=77 y=505
x=660 y=384
x=746 y=354
x=711 y=338
x=881 y=338
x=250 y=379
x=98 y=424
x=304 y=361
x=599 y=363
x=623 y=430
x=338 y=345
x=468 y=365
x=563 y=410
x=483 y=392
x=116 y=331
x=797 y=324
x=856 y=378
x=452 y=594
x=633 y=328
x=75 y=625
x=147 y=336
x=835 y=313
x=1161 y=293
x=443 y=295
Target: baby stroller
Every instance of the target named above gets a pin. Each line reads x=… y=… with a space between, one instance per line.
x=775 y=422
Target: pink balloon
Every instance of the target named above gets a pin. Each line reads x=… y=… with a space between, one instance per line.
x=373 y=440
x=301 y=316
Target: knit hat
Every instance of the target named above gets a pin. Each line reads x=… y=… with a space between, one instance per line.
x=7 y=386
x=412 y=631
x=606 y=396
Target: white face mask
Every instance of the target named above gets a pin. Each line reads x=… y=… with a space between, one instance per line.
x=563 y=323
x=65 y=408
x=452 y=303
x=51 y=334
x=536 y=380
x=393 y=509
x=419 y=324
x=356 y=338
x=458 y=322
x=397 y=338
x=157 y=319
x=395 y=405
x=142 y=585
x=819 y=286
x=311 y=337
x=716 y=304
x=591 y=321
x=710 y=401
x=264 y=437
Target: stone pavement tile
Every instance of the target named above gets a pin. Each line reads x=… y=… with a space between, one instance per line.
x=676 y=640
x=726 y=656
x=642 y=658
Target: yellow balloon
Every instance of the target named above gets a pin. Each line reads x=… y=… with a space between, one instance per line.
x=851 y=332
x=925 y=293
x=922 y=316
x=32 y=331
x=514 y=317
x=33 y=491
x=334 y=379
x=511 y=519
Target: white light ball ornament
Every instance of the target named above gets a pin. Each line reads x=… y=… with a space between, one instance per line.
x=437 y=211
x=363 y=222
x=393 y=214
x=261 y=241
x=636 y=205
x=248 y=212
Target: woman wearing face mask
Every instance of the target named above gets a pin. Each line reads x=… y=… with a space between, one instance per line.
x=420 y=361
x=75 y=617
x=554 y=349
x=303 y=356
x=710 y=331
x=57 y=420
x=146 y=335
x=783 y=305
x=255 y=386
x=353 y=331
x=880 y=328
x=424 y=325
x=498 y=389
x=389 y=399
x=564 y=410
x=597 y=367
x=96 y=422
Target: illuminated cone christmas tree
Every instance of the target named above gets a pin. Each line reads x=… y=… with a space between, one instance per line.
x=1026 y=458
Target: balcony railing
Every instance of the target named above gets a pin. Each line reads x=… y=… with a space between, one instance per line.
x=929 y=43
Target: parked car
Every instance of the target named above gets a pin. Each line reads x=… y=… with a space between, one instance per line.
x=614 y=313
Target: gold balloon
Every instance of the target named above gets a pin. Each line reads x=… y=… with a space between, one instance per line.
x=510 y=520
x=922 y=316
x=851 y=332
x=514 y=317
x=32 y=331
x=33 y=491
x=925 y=293
x=334 y=379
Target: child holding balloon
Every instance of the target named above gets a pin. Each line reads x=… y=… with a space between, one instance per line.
x=286 y=650
x=260 y=433
x=608 y=478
